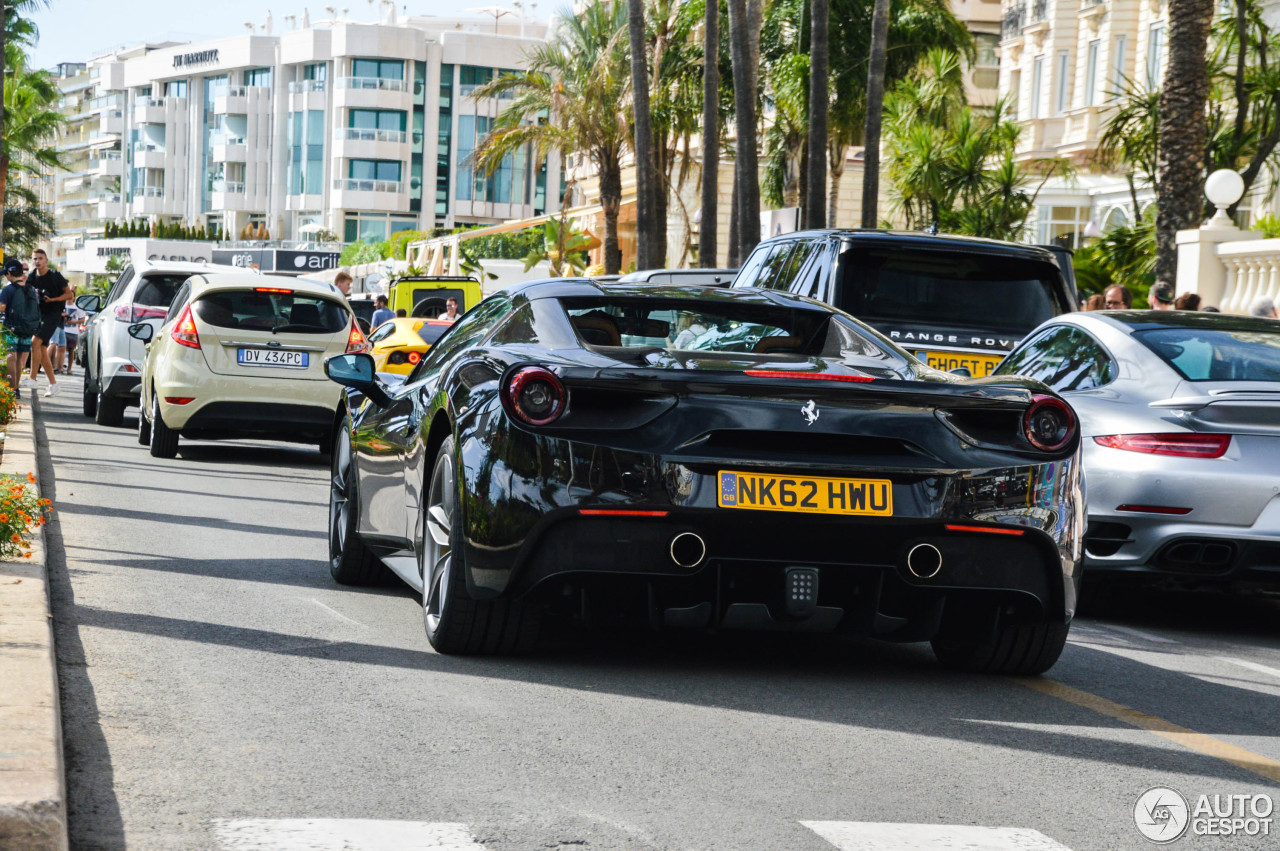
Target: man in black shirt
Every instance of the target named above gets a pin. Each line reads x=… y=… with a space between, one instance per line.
x=54 y=294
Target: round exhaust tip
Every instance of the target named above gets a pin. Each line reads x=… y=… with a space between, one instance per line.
x=688 y=549
x=924 y=561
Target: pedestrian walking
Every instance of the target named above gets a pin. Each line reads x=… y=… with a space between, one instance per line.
x=1117 y=297
x=382 y=313
x=71 y=319
x=54 y=292
x=450 y=310
x=1161 y=296
x=1095 y=302
x=20 y=314
x=1263 y=306
x=1187 y=301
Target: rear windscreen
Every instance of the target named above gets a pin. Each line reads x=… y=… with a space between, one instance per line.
x=1200 y=354
x=430 y=332
x=956 y=290
x=158 y=290
x=272 y=311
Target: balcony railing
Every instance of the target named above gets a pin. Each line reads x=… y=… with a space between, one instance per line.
x=1039 y=11
x=1011 y=23
x=360 y=134
x=108 y=197
x=234 y=92
x=149 y=192
x=148 y=101
x=228 y=186
x=223 y=139
x=298 y=86
x=352 y=185
x=106 y=101
x=380 y=83
x=144 y=148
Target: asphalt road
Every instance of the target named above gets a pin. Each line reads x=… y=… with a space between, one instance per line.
x=220 y=691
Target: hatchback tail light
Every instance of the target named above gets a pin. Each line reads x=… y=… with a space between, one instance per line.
x=356 y=343
x=132 y=313
x=1049 y=423
x=534 y=395
x=184 y=332
x=1177 y=445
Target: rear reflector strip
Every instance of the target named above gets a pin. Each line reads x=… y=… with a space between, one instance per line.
x=986 y=529
x=812 y=376
x=601 y=512
x=179 y=400
x=1153 y=509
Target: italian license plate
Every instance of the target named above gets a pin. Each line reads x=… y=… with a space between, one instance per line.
x=807 y=494
x=272 y=357
x=978 y=365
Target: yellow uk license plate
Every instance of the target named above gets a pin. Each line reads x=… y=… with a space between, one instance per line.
x=978 y=365
x=808 y=494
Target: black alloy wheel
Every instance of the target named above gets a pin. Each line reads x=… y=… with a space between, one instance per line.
x=109 y=409
x=350 y=562
x=164 y=440
x=90 y=392
x=455 y=622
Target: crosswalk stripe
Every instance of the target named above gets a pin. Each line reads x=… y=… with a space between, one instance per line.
x=257 y=834
x=888 y=836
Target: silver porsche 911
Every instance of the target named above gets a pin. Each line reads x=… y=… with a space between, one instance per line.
x=1180 y=424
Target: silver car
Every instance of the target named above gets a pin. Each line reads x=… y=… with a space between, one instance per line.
x=1180 y=419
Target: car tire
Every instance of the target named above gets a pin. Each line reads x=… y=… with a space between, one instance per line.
x=144 y=430
x=1017 y=649
x=164 y=440
x=350 y=561
x=90 y=395
x=108 y=410
x=456 y=623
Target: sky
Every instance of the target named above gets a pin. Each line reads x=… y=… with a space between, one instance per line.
x=74 y=30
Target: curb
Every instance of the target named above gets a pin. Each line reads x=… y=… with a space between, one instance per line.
x=33 y=810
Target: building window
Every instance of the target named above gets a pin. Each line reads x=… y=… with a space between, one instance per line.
x=443 y=140
x=376 y=119
x=375 y=227
x=471 y=128
x=1116 y=79
x=471 y=78
x=382 y=69
x=1155 y=51
x=306 y=152
x=383 y=170
x=1037 y=79
x=1091 y=74
x=175 y=89
x=315 y=71
x=1015 y=94
x=258 y=78
x=1061 y=225
x=1064 y=84
x=986 y=72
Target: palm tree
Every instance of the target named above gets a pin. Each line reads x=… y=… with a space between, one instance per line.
x=710 y=137
x=875 y=105
x=819 y=100
x=18 y=31
x=744 y=41
x=31 y=125
x=647 y=224
x=1182 y=129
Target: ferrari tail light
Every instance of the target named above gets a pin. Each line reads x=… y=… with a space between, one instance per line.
x=534 y=395
x=811 y=376
x=184 y=333
x=1177 y=445
x=356 y=343
x=1049 y=424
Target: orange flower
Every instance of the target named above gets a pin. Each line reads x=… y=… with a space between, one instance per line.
x=31 y=477
x=26 y=555
x=16 y=538
x=4 y=518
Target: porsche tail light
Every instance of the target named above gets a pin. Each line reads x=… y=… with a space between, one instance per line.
x=534 y=395
x=184 y=333
x=1177 y=445
x=356 y=343
x=1049 y=424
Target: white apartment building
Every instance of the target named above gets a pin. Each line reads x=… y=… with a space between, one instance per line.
x=1062 y=63
x=362 y=129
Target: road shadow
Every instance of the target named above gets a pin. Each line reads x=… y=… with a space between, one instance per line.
x=93 y=810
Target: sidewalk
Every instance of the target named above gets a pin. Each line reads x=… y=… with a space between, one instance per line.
x=33 y=815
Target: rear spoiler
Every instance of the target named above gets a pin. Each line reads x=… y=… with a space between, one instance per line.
x=1196 y=403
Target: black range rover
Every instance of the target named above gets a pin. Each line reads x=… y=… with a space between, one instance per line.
x=957 y=303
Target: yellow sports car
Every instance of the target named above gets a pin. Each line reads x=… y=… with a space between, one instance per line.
x=398 y=344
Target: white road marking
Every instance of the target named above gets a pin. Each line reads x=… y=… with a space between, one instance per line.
x=342 y=835
x=1252 y=666
x=884 y=836
x=1137 y=633
x=337 y=614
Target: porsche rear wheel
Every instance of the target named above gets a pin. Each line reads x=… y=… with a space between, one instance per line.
x=350 y=562
x=1014 y=649
x=455 y=622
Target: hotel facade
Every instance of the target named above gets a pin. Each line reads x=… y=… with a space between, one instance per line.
x=360 y=129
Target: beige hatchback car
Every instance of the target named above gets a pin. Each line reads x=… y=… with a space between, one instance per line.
x=242 y=355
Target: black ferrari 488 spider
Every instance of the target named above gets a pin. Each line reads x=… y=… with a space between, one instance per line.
x=707 y=458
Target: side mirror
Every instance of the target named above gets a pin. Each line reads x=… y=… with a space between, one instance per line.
x=89 y=303
x=356 y=371
x=142 y=331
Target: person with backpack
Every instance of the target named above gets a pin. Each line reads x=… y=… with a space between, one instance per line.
x=20 y=315
x=54 y=292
